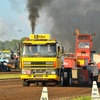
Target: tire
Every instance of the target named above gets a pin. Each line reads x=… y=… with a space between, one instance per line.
x=25 y=83
x=35 y=83
x=69 y=80
x=57 y=83
x=9 y=69
x=90 y=80
x=1 y=68
x=41 y=83
x=62 y=79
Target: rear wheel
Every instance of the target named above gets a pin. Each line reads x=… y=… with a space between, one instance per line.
x=9 y=68
x=1 y=68
x=41 y=83
x=36 y=83
x=69 y=79
x=62 y=79
x=25 y=83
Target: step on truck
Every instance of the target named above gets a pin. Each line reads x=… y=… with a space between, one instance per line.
x=80 y=66
x=41 y=60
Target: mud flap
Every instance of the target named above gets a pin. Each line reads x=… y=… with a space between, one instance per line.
x=84 y=76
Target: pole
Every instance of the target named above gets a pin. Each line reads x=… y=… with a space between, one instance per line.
x=20 y=38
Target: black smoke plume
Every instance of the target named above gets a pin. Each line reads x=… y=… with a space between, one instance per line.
x=67 y=16
x=33 y=7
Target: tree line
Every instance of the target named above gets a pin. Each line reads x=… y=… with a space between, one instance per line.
x=10 y=45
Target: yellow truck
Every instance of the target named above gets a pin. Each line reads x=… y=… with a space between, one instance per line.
x=41 y=60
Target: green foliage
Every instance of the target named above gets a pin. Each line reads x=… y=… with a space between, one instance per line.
x=82 y=98
x=1 y=45
x=11 y=45
x=23 y=39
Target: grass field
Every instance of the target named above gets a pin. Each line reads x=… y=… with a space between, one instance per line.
x=10 y=76
x=78 y=98
x=82 y=98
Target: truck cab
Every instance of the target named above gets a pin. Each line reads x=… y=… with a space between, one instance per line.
x=41 y=60
x=83 y=48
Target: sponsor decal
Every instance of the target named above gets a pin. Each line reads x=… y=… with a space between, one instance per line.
x=83 y=54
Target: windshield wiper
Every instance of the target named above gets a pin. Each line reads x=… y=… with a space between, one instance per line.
x=29 y=55
x=39 y=55
x=32 y=56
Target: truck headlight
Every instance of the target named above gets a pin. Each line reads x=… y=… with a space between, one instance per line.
x=23 y=71
x=49 y=63
x=53 y=72
x=27 y=63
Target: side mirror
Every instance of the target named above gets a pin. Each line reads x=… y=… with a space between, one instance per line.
x=63 y=50
x=12 y=55
x=18 y=49
x=93 y=51
x=18 y=53
x=18 y=46
x=12 y=52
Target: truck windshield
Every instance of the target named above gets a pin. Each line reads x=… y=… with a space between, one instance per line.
x=5 y=55
x=85 y=45
x=39 y=50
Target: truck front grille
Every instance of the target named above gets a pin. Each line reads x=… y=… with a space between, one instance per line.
x=38 y=66
x=38 y=63
x=35 y=64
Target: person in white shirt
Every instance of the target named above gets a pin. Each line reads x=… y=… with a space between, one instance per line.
x=86 y=46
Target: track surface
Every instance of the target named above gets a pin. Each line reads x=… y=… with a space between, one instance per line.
x=12 y=89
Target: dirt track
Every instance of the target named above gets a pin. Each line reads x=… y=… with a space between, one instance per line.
x=13 y=90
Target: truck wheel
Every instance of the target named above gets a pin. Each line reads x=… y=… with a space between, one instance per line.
x=57 y=84
x=9 y=69
x=69 y=80
x=62 y=79
x=0 y=68
x=41 y=83
x=35 y=83
x=90 y=80
x=25 y=83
